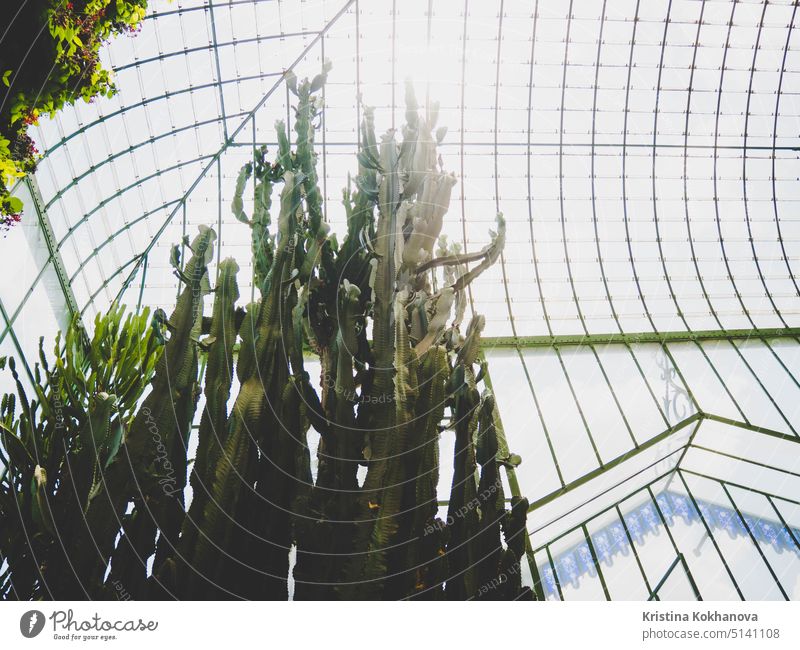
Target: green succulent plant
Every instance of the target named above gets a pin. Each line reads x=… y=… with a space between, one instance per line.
x=60 y=444
x=383 y=311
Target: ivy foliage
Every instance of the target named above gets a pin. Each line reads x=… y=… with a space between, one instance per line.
x=50 y=58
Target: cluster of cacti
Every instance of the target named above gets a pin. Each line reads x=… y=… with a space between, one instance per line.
x=383 y=311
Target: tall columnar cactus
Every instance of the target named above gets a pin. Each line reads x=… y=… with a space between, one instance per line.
x=151 y=472
x=213 y=431
x=384 y=312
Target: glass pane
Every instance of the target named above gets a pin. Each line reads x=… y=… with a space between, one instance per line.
x=523 y=426
x=617 y=561
x=739 y=551
x=693 y=541
x=577 y=573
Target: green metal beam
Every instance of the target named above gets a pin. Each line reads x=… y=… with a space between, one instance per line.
x=636 y=557
x=513 y=483
x=117 y=233
x=160 y=171
x=603 y=511
x=231 y=137
x=141 y=286
x=710 y=534
x=555 y=572
x=216 y=45
x=742 y=459
x=210 y=46
x=667 y=574
x=10 y=332
x=664 y=523
x=549 y=144
x=596 y=562
x=739 y=485
x=753 y=539
x=52 y=246
x=752 y=427
x=152 y=100
x=637 y=337
x=695 y=417
x=569 y=487
x=783 y=521
x=121 y=155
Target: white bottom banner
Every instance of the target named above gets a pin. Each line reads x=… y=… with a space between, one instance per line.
x=398 y=625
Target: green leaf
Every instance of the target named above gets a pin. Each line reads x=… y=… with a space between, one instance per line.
x=113 y=443
x=6 y=76
x=15 y=448
x=318 y=82
x=15 y=204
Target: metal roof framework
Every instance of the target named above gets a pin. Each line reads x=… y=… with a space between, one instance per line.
x=644 y=155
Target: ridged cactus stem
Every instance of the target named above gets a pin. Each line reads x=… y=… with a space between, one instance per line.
x=462 y=516
x=155 y=448
x=213 y=430
x=263 y=371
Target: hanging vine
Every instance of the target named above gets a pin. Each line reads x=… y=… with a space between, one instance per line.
x=50 y=58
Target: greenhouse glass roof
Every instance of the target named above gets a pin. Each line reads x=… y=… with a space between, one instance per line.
x=643 y=321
